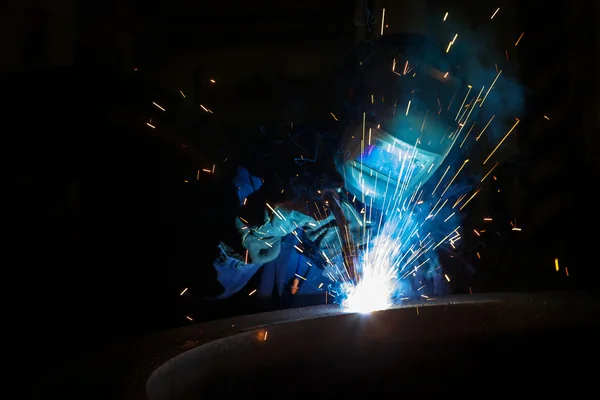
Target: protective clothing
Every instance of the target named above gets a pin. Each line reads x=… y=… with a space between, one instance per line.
x=379 y=164
x=263 y=242
x=402 y=86
x=288 y=243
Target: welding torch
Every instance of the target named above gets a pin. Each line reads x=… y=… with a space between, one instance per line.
x=332 y=199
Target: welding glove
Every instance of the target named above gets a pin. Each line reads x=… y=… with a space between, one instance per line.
x=321 y=234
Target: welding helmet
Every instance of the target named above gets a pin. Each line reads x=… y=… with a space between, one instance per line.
x=378 y=164
x=398 y=114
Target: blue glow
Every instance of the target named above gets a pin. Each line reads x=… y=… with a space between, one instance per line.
x=415 y=216
x=384 y=162
x=402 y=242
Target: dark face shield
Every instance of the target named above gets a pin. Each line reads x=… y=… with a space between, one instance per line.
x=381 y=168
x=403 y=131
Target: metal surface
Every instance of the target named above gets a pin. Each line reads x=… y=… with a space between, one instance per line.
x=459 y=345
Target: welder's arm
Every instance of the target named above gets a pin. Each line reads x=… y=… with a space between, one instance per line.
x=263 y=243
x=328 y=236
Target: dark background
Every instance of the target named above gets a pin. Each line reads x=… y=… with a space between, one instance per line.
x=104 y=230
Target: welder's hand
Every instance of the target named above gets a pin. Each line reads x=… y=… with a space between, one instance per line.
x=321 y=230
x=326 y=238
x=263 y=242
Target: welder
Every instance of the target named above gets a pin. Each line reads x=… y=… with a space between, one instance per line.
x=288 y=221
x=404 y=81
x=287 y=226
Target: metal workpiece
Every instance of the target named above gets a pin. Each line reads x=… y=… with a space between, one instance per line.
x=466 y=343
x=450 y=344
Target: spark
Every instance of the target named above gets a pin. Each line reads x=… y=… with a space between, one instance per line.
x=444 y=239
x=489 y=172
x=372 y=292
x=556 y=266
x=490 y=88
x=451 y=43
x=414 y=220
x=440 y=181
x=463 y=103
x=470 y=198
x=519 y=39
x=448 y=48
x=485 y=127
x=495 y=12
x=467 y=135
x=501 y=141
x=461 y=198
x=445 y=16
x=450 y=184
x=184 y=290
x=159 y=107
x=382 y=21
x=150 y=125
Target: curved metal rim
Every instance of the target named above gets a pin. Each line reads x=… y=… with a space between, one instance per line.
x=124 y=369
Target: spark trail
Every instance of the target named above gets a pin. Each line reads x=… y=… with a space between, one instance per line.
x=402 y=239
